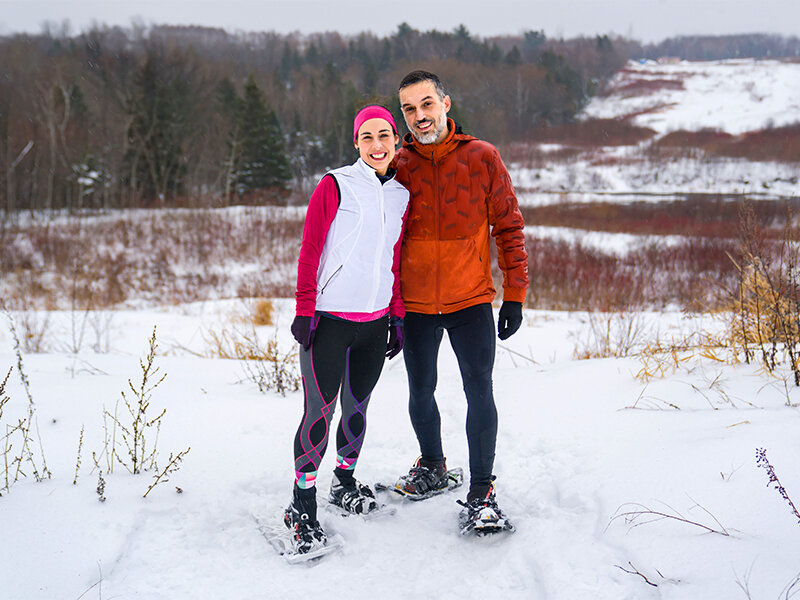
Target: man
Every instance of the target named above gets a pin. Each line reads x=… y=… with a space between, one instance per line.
x=460 y=194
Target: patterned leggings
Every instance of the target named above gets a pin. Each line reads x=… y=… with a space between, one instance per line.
x=345 y=355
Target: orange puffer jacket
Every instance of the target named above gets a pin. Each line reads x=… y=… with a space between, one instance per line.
x=460 y=193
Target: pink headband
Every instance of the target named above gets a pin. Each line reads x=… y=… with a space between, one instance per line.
x=372 y=112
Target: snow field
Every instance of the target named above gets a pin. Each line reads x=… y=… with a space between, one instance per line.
x=731 y=95
x=570 y=455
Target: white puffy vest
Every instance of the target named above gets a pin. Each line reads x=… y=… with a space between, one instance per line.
x=355 y=268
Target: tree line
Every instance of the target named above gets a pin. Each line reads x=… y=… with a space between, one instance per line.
x=707 y=47
x=123 y=117
x=117 y=117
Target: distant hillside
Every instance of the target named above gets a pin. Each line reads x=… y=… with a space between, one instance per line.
x=732 y=96
x=676 y=127
x=707 y=47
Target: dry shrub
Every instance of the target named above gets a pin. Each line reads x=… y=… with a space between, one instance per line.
x=759 y=309
x=764 y=322
x=35 y=330
x=158 y=255
x=765 y=311
x=703 y=215
x=571 y=276
x=611 y=335
x=266 y=365
x=262 y=312
x=532 y=156
x=705 y=138
x=642 y=87
x=594 y=132
x=781 y=144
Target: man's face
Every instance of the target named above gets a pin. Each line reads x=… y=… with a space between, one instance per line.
x=425 y=113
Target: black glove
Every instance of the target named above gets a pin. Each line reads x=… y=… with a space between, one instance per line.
x=395 y=337
x=303 y=329
x=510 y=319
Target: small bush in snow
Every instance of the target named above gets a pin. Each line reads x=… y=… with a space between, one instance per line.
x=262 y=312
x=266 y=365
x=20 y=436
x=761 y=461
x=765 y=320
x=129 y=440
x=616 y=335
x=139 y=452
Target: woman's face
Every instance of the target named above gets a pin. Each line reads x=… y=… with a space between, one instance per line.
x=375 y=143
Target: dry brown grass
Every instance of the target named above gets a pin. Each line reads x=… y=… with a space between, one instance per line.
x=594 y=133
x=779 y=144
x=265 y=364
x=159 y=256
x=262 y=311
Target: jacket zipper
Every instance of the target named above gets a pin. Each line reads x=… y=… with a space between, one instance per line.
x=436 y=209
x=322 y=290
x=379 y=246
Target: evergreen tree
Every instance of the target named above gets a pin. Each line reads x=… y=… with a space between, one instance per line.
x=160 y=109
x=261 y=162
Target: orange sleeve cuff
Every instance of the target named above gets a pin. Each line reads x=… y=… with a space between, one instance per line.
x=514 y=294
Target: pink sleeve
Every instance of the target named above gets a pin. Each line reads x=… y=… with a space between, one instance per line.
x=396 y=306
x=322 y=207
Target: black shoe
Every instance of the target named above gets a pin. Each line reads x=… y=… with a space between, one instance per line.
x=301 y=518
x=424 y=477
x=352 y=496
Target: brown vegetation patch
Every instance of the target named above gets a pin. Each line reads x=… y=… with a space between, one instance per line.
x=533 y=156
x=644 y=87
x=569 y=276
x=705 y=138
x=594 y=132
x=159 y=256
x=695 y=215
x=780 y=144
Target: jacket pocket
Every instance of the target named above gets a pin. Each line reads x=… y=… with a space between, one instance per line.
x=463 y=272
x=418 y=271
x=327 y=281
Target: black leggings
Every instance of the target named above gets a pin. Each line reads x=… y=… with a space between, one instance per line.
x=346 y=355
x=471 y=333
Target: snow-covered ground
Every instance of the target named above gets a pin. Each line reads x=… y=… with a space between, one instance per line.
x=579 y=442
x=730 y=96
x=636 y=174
x=616 y=243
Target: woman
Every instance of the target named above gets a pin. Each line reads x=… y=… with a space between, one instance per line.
x=348 y=296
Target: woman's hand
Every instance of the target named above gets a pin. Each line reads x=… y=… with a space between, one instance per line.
x=395 y=337
x=303 y=329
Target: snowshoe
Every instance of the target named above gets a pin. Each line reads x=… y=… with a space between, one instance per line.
x=480 y=515
x=283 y=541
x=306 y=534
x=426 y=480
x=351 y=497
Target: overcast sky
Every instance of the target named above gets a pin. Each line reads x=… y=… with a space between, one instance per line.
x=644 y=20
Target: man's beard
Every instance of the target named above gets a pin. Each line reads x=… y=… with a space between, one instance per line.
x=433 y=135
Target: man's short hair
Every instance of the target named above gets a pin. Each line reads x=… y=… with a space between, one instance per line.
x=420 y=76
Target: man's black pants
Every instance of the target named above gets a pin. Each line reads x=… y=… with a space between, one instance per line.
x=471 y=333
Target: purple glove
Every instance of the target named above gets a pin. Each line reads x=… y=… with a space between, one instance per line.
x=303 y=329
x=395 y=337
